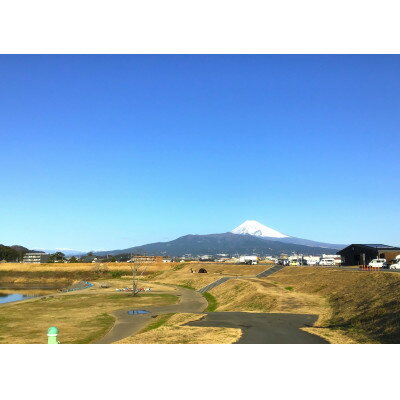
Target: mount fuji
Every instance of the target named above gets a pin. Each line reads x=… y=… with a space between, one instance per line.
x=254 y=228
x=251 y=237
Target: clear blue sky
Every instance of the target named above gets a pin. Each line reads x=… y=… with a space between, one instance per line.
x=107 y=152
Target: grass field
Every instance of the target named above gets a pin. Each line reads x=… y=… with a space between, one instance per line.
x=352 y=306
x=65 y=273
x=81 y=317
x=184 y=277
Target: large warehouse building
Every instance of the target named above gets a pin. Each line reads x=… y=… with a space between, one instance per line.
x=362 y=254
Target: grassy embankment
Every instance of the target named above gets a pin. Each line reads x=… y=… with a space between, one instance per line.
x=184 y=277
x=352 y=306
x=81 y=317
x=365 y=306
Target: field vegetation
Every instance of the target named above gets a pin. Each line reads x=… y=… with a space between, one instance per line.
x=365 y=306
x=81 y=317
x=352 y=306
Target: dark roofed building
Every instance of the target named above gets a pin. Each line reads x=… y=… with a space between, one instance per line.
x=362 y=254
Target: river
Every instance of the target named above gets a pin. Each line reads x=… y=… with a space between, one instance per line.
x=9 y=294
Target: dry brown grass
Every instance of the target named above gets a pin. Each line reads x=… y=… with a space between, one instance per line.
x=73 y=267
x=254 y=295
x=184 y=278
x=174 y=273
x=81 y=317
x=65 y=273
x=173 y=332
x=330 y=335
x=365 y=305
x=214 y=272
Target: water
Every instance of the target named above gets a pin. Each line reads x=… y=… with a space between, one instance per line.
x=134 y=312
x=10 y=297
x=11 y=294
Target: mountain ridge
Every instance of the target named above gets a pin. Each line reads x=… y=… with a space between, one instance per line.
x=217 y=243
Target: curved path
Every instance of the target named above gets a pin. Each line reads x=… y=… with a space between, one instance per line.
x=264 y=328
x=256 y=327
x=127 y=325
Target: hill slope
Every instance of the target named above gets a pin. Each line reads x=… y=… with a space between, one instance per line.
x=218 y=243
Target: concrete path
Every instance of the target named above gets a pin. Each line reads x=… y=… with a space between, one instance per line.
x=214 y=284
x=127 y=325
x=263 y=328
x=270 y=271
x=263 y=274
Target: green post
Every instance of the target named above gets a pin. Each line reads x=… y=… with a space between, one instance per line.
x=52 y=333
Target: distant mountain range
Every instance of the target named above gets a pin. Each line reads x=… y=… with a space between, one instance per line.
x=251 y=237
x=67 y=252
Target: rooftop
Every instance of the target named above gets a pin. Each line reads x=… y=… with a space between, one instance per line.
x=374 y=246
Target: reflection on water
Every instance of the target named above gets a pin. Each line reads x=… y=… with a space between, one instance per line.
x=8 y=296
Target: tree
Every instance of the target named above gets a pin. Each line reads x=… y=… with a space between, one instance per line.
x=135 y=274
x=73 y=259
x=7 y=253
x=57 y=257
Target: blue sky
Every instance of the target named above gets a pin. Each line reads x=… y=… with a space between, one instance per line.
x=107 y=152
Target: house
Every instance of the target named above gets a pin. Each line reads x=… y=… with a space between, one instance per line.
x=362 y=254
x=35 y=258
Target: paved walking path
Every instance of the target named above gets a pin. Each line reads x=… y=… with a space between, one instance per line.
x=263 y=274
x=256 y=327
x=127 y=325
x=264 y=328
x=270 y=271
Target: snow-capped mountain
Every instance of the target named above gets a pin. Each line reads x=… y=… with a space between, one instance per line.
x=254 y=228
x=251 y=237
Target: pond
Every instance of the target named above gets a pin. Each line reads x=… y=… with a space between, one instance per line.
x=11 y=294
x=10 y=297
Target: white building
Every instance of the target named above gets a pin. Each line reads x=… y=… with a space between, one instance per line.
x=35 y=258
x=336 y=257
x=248 y=259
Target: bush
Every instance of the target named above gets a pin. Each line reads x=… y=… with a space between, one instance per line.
x=117 y=274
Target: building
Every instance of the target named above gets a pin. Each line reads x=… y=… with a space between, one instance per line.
x=362 y=254
x=336 y=257
x=248 y=260
x=35 y=258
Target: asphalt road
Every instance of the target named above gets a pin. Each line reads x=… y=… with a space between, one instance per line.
x=261 y=328
x=126 y=325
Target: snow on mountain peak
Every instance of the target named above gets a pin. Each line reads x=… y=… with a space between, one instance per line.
x=256 y=229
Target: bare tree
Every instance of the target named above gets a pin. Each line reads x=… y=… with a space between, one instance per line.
x=137 y=271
